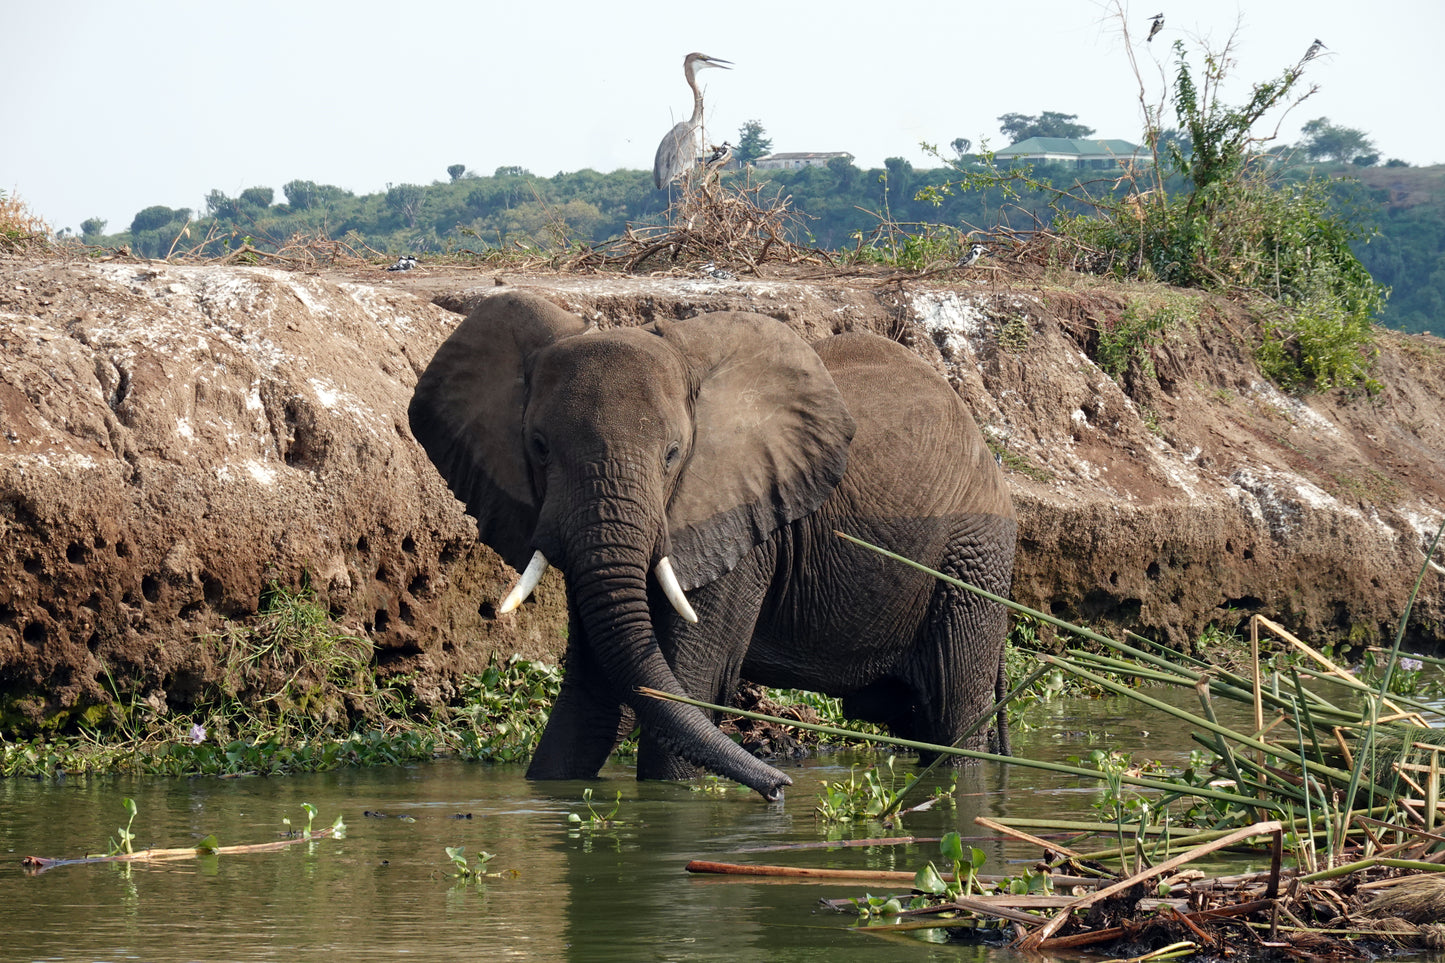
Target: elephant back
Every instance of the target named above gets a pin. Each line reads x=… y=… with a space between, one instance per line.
x=917 y=450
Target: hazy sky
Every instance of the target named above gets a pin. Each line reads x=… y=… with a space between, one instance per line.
x=111 y=107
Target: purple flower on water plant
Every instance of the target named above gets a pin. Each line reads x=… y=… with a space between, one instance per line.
x=198 y=734
x=1411 y=665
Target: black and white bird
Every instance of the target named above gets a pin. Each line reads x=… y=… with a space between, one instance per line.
x=720 y=155
x=1314 y=50
x=1158 y=25
x=709 y=269
x=974 y=253
x=404 y=263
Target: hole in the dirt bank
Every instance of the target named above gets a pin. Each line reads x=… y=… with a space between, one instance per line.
x=1058 y=607
x=76 y=553
x=212 y=588
x=7 y=615
x=129 y=598
x=1113 y=578
x=381 y=621
x=418 y=585
x=99 y=542
x=450 y=555
x=404 y=613
x=383 y=574
x=1248 y=554
x=362 y=544
x=1153 y=571
x=35 y=633
x=93 y=642
x=191 y=610
x=336 y=610
x=122 y=550
x=1229 y=546
x=487 y=610
x=150 y=587
x=408 y=545
x=92 y=603
x=33 y=565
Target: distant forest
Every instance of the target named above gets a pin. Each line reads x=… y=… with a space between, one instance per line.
x=841 y=206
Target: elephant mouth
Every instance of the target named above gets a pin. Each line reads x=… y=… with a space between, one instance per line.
x=527 y=583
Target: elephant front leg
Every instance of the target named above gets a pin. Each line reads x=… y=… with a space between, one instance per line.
x=585 y=726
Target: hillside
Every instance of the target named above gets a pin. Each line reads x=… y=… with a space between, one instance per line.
x=178 y=436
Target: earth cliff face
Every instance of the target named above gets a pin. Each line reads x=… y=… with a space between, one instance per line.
x=177 y=437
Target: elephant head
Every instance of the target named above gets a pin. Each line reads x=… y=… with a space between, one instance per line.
x=672 y=449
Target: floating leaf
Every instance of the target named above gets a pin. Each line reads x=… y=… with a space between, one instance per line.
x=927 y=880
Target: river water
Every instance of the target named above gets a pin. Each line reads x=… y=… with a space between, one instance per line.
x=619 y=893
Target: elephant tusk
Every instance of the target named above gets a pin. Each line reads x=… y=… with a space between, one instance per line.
x=536 y=568
x=668 y=580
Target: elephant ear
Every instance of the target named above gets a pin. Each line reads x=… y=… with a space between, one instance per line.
x=771 y=439
x=467 y=413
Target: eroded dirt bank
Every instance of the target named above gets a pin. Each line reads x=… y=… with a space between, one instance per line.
x=174 y=437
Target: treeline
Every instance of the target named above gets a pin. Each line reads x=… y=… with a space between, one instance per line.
x=840 y=206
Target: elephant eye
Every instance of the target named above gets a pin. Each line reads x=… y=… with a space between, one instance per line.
x=539 y=447
x=674 y=452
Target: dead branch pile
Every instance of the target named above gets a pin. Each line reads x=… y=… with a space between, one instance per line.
x=732 y=227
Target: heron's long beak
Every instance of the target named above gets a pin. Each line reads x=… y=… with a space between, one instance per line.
x=715 y=62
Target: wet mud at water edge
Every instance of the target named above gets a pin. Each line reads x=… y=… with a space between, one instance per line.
x=565 y=891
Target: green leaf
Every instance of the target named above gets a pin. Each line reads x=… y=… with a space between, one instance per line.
x=928 y=880
x=952 y=847
x=208 y=845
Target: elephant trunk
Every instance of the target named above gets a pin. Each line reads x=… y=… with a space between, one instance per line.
x=608 y=585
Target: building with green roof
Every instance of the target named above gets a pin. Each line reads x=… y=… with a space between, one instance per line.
x=1083 y=152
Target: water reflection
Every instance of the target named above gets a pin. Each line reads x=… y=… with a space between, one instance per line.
x=383 y=892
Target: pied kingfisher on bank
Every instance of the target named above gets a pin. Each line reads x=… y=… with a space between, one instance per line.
x=974 y=253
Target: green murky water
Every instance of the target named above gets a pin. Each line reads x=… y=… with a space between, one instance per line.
x=382 y=892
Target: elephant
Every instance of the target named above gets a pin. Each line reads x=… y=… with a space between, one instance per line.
x=688 y=478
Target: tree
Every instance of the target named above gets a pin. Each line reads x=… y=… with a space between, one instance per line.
x=257 y=197
x=512 y=171
x=753 y=142
x=156 y=216
x=1342 y=145
x=406 y=200
x=301 y=195
x=92 y=227
x=961 y=146
x=219 y=205
x=1050 y=123
x=455 y=172
x=844 y=170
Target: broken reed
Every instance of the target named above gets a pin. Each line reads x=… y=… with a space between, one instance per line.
x=1294 y=773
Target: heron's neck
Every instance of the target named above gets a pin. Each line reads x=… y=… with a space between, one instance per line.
x=696 y=98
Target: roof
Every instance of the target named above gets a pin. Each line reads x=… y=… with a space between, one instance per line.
x=806 y=155
x=1074 y=147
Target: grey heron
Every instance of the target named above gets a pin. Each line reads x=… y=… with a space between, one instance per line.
x=678 y=150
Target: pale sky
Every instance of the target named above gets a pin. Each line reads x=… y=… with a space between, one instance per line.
x=111 y=107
